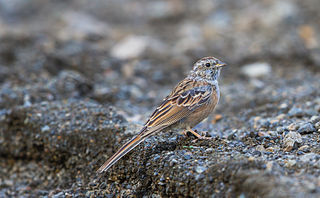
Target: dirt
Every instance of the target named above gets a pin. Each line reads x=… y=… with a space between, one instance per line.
x=79 y=78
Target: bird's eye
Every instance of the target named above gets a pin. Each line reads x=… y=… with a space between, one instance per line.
x=208 y=64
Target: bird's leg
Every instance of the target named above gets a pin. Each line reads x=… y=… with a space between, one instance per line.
x=195 y=133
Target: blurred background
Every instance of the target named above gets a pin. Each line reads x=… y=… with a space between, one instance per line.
x=139 y=49
x=130 y=54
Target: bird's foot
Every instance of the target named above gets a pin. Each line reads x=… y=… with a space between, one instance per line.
x=195 y=133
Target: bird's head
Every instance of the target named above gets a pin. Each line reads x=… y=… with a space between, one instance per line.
x=207 y=68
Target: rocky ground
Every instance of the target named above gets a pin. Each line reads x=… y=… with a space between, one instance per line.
x=79 y=78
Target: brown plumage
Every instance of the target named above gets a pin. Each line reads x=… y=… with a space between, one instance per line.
x=191 y=101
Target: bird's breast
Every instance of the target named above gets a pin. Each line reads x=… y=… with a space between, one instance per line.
x=204 y=111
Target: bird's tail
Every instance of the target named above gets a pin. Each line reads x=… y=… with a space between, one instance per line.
x=121 y=152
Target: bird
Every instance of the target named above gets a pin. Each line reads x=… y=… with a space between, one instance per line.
x=190 y=102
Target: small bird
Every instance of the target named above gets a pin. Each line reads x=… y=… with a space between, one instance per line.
x=191 y=101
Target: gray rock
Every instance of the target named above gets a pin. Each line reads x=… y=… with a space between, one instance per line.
x=306 y=128
x=200 y=169
x=315 y=119
x=291 y=140
x=59 y=195
x=317 y=125
x=255 y=70
x=80 y=25
x=308 y=157
x=45 y=128
x=135 y=46
x=298 y=112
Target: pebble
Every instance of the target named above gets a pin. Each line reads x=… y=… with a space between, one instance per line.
x=257 y=69
x=269 y=166
x=290 y=140
x=293 y=127
x=315 y=119
x=200 y=169
x=281 y=116
x=260 y=148
x=187 y=156
x=59 y=195
x=308 y=157
x=295 y=112
x=270 y=149
x=79 y=25
x=263 y=134
x=310 y=186
x=303 y=148
x=134 y=46
x=283 y=106
x=251 y=159
x=298 y=112
x=209 y=150
x=317 y=125
x=290 y=163
x=130 y=47
x=281 y=129
x=45 y=128
x=272 y=133
x=306 y=128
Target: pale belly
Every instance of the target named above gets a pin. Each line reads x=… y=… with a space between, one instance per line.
x=201 y=114
x=197 y=116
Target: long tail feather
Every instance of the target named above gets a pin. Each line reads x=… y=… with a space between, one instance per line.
x=121 y=152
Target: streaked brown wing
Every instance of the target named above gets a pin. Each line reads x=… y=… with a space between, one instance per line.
x=183 y=100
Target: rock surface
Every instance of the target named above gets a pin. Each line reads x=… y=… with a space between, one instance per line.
x=76 y=85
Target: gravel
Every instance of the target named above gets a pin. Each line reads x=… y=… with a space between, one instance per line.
x=78 y=79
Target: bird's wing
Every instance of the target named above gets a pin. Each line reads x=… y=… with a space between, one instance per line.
x=187 y=96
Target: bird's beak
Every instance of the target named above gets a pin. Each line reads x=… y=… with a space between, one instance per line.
x=221 y=64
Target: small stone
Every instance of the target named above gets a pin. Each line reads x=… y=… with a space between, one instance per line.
x=308 y=157
x=251 y=159
x=272 y=133
x=310 y=186
x=281 y=129
x=58 y=195
x=256 y=119
x=295 y=112
x=283 y=106
x=315 y=119
x=317 y=125
x=303 y=148
x=257 y=69
x=200 y=169
x=307 y=128
x=216 y=118
x=209 y=150
x=7 y=182
x=135 y=46
x=263 y=134
x=281 y=116
x=298 y=112
x=187 y=156
x=308 y=35
x=260 y=148
x=45 y=128
x=293 y=127
x=269 y=166
x=130 y=47
x=78 y=25
x=270 y=149
x=291 y=140
x=103 y=185
x=290 y=163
